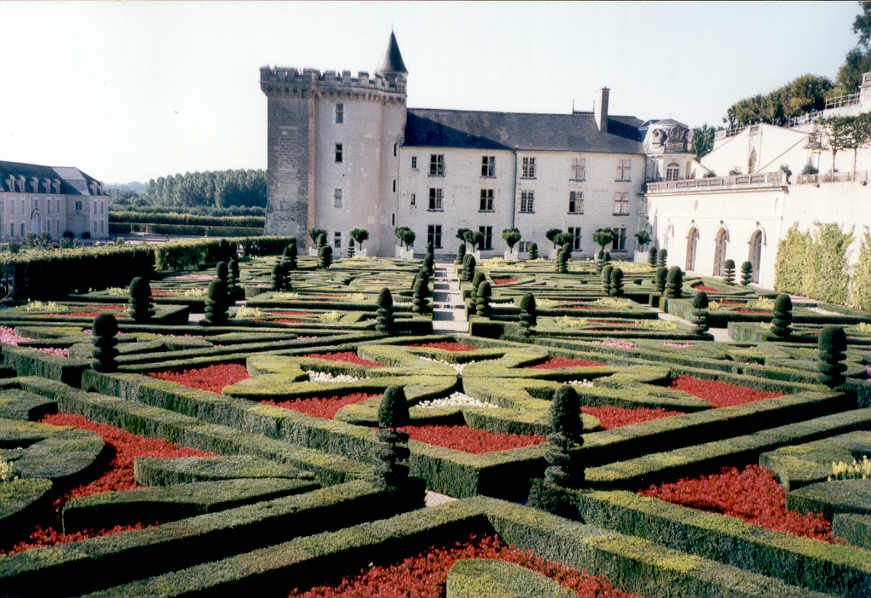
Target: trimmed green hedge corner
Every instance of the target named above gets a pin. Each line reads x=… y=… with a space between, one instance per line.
x=491 y=578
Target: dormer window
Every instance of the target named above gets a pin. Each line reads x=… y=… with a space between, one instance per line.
x=672 y=172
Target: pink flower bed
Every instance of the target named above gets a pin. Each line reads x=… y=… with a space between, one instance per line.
x=212 y=378
x=116 y=475
x=345 y=356
x=554 y=363
x=424 y=575
x=194 y=277
x=55 y=351
x=288 y=321
x=8 y=336
x=447 y=346
x=470 y=440
x=615 y=417
x=720 y=394
x=730 y=302
x=504 y=280
x=618 y=322
x=705 y=288
x=677 y=345
x=289 y=313
x=608 y=342
x=745 y=310
x=321 y=406
x=581 y=307
x=751 y=494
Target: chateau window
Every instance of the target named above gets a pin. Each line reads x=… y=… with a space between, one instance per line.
x=395 y=149
x=642 y=206
x=527 y=202
x=487 y=231
x=340 y=113
x=338 y=152
x=394 y=185
x=672 y=172
x=435 y=199
x=624 y=170
x=78 y=205
x=434 y=235
x=11 y=230
x=337 y=198
x=523 y=246
x=575 y=232
x=488 y=165
x=413 y=199
x=621 y=204
x=619 y=243
x=486 y=200
x=579 y=170
x=337 y=240
x=414 y=162
x=437 y=165
x=528 y=168
x=22 y=229
x=576 y=202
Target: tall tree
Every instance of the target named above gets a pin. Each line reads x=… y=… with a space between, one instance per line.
x=703 y=140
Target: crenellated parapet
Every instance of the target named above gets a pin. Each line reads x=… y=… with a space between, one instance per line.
x=291 y=82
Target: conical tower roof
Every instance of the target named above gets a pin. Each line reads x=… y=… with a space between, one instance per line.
x=393 y=59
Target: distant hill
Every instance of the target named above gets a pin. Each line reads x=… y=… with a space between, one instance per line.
x=134 y=186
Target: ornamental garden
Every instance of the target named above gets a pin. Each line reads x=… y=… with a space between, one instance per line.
x=227 y=415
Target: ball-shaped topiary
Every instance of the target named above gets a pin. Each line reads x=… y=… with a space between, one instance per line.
x=140 y=301
x=533 y=251
x=607 y=257
x=469 y=267
x=233 y=278
x=781 y=320
x=384 y=314
x=390 y=469
x=729 y=271
x=832 y=351
x=616 y=282
x=420 y=294
x=325 y=257
x=527 y=317
x=478 y=278
x=700 y=312
x=746 y=273
x=222 y=271
x=661 y=279
x=217 y=303
x=606 y=279
x=651 y=257
x=565 y=468
x=482 y=300
x=674 y=283
x=662 y=258
x=104 y=329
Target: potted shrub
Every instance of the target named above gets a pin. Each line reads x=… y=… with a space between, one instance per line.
x=551 y=236
x=511 y=236
x=643 y=239
x=406 y=238
x=360 y=235
x=314 y=234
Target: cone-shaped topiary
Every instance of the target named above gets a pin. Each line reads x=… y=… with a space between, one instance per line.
x=651 y=257
x=600 y=260
x=606 y=279
x=393 y=411
x=384 y=314
x=351 y=249
x=429 y=263
x=700 y=312
x=674 y=283
x=325 y=257
x=391 y=467
x=281 y=276
x=832 y=350
x=222 y=271
x=616 y=282
x=533 y=251
x=461 y=253
x=420 y=294
x=746 y=273
x=527 y=317
x=661 y=277
x=290 y=252
x=104 y=329
x=233 y=280
x=607 y=257
x=483 y=299
x=729 y=271
x=472 y=308
x=781 y=320
x=662 y=258
x=141 y=304
x=565 y=468
x=217 y=303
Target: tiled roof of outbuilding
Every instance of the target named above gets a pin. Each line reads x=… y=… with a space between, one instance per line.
x=73 y=180
x=521 y=131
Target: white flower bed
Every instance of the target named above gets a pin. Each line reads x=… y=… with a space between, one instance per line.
x=327 y=377
x=457 y=399
x=583 y=382
x=458 y=367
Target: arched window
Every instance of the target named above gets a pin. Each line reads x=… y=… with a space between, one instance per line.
x=720 y=251
x=751 y=162
x=755 y=257
x=692 y=243
x=672 y=172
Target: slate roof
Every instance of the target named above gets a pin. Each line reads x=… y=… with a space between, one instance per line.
x=73 y=180
x=393 y=59
x=521 y=131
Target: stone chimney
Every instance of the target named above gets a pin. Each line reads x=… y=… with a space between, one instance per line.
x=600 y=110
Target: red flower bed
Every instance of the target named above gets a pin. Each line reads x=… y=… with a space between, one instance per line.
x=289 y=313
x=720 y=394
x=555 y=363
x=346 y=356
x=581 y=307
x=615 y=417
x=329 y=295
x=456 y=347
x=288 y=321
x=705 y=288
x=470 y=440
x=730 y=302
x=321 y=406
x=424 y=575
x=745 y=310
x=752 y=494
x=623 y=322
x=117 y=475
x=504 y=280
x=162 y=292
x=212 y=378
x=80 y=314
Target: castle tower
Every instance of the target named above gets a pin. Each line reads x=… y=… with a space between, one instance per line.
x=333 y=150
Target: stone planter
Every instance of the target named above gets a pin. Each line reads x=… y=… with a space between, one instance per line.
x=511 y=254
x=403 y=253
x=641 y=255
x=312 y=251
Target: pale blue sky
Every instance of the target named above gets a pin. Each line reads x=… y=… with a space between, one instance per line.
x=128 y=91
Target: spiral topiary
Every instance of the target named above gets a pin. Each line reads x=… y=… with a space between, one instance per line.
x=729 y=271
x=140 y=302
x=700 y=312
x=420 y=295
x=384 y=314
x=781 y=320
x=217 y=303
x=746 y=273
x=222 y=271
x=461 y=253
x=533 y=251
x=561 y=264
x=391 y=466
x=478 y=278
x=616 y=282
x=563 y=454
x=429 y=263
x=600 y=261
x=674 y=283
x=351 y=249
x=606 y=279
x=527 y=317
x=661 y=278
x=651 y=257
x=233 y=279
x=662 y=258
x=104 y=329
x=832 y=351
x=470 y=264
x=482 y=299
x=325 y=257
